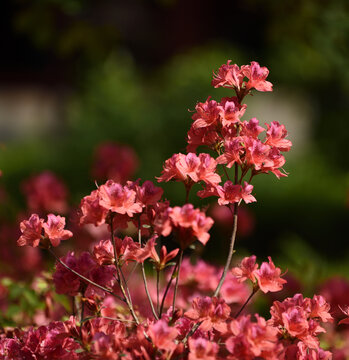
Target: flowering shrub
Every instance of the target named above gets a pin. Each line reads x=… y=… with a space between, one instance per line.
x=189 y=310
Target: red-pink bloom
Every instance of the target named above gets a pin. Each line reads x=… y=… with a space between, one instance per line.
x=92 y=212
x=118 y=198
x=207 y=136
x=276 y=136
x=171 y=170
x=251 y=340
x=114 y=161
x=163 y=336
x=295 y=321
x=228 y=76
x=268 y=277
x=200 y=348
x=257 y=153
x=45 y=193
x=251 y=128
x=190 y=223
x=233 y=149
x=320 y=308
x=54 y=229
x=230 y=110
x=211 y=312
x=190 y=167
x=231 y=193
x=207 y=114
x=31 y=231
x=159 y=261
x=257 y=77
x=246 y=269
x=148 y=193
x=104 y=252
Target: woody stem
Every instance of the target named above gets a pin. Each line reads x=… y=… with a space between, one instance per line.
x=144 y=276
x=120 y=276
x=232 y=241
x=246 y=302
x=85 y=278
x=177 y=279
x=167 y=288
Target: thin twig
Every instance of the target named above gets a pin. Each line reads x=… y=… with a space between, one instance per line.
x=167 y=289
x=120 y=275
x=177 y=279
x=85 y=278
x=158 y=291
x=246 y=302
x=231 y=251
x=232 y=241
x=144 y=276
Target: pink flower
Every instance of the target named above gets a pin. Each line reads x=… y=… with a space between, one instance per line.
x=231 y=193
x=212 y=312
x=54 y=229
x=228 y=76
x=257 y=77
x=207 y=114
x=246 y=269
x=251 y=340
x=31 y=231
x=163 y=336
x=148 y=193
x=251 y=128
x=268 y=277
x=207 y=136
x=159 y=261
x=276 y=136
x=231 y=111
x=118 y=198
x=92 y=212
x=201 y=348
x=190 y=223
x=233 y=149
x=190 y=167
x=104 y=252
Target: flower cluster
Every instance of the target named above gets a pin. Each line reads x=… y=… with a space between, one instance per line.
x=36 y=231
x=189 y=309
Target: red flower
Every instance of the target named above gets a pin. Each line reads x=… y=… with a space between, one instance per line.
x=31 y=231
x=212 y=312
x=118 y=198
x=257 y=77
x=268 y=277
x=54 y=229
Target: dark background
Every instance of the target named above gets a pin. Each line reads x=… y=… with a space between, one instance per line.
x=75 y=73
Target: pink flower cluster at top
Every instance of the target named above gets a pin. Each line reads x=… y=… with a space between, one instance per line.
x=218 y=126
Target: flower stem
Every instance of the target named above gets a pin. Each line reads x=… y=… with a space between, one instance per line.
x=232 y=239
x=177 y=279
x=246 y=302
x=144 y=276
x=121 y=277
x=85 y=278
x=167 y=288
x=231 y=251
